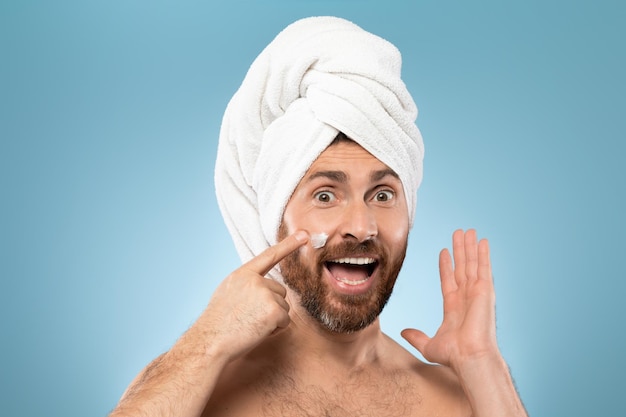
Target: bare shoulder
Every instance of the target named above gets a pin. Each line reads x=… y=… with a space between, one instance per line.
x=438 y=386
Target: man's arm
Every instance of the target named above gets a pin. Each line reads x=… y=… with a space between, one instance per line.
x=245 y=309
x=178 y=382
x=466 y=340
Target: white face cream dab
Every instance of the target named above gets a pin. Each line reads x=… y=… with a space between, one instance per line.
x=318 y=240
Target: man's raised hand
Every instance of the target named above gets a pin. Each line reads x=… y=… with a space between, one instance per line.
x=248 y=307
x=468 y=330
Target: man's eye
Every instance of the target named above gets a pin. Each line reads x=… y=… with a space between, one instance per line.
x=325 y=197
x=384 y=195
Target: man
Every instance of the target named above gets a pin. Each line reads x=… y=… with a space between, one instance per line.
x=320 y=139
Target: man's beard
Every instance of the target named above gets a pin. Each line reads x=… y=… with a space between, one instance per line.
x=342 y=313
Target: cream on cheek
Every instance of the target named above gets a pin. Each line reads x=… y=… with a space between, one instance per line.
x=318 y=240
x=321 y=226
x=316 y=223
x=317 y=237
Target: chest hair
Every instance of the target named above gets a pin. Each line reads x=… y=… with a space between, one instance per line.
x=362 y=393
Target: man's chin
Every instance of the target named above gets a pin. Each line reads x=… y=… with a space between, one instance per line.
x=340 y=313
x=342 y=325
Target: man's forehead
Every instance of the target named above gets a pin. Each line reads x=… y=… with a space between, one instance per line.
x=341 y=158
x=345 y=150
x=344 y=160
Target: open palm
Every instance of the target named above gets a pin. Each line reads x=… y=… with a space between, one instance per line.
x=468 y=328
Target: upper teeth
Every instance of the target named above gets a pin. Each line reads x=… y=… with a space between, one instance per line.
x=355 y=261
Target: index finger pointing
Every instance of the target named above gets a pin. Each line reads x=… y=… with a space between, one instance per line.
x=266 y=260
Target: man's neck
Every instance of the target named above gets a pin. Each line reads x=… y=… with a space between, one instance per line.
x=306 y=337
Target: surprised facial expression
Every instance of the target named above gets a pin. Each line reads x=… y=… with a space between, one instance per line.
x=359 y=202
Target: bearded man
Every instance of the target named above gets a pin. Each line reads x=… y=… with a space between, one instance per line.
x=320 y=140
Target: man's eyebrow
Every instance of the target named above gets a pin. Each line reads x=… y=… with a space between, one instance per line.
x=337 y=176
x=379 y=175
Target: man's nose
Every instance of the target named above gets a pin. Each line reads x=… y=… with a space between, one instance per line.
x=359 y=222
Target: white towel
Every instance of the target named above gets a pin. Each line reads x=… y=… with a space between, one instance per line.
x=319 y=76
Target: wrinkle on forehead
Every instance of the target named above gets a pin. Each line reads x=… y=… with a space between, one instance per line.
x=342 y=177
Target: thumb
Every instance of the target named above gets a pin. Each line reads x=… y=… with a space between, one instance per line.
x=417 y=338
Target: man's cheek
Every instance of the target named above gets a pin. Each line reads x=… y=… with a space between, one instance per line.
x=396 y=232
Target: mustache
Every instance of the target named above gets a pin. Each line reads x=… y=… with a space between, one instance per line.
x=351 y=249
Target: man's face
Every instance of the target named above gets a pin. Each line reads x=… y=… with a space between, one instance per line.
x=359 y=202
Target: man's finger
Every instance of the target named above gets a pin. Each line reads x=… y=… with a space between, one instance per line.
x=471 y=255
x=275 y=287
x=416 y=338
x=458 y=253
x=484 y=264
x=266 y=260
x=446 y=272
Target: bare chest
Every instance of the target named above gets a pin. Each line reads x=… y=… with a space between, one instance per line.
x=361 y=394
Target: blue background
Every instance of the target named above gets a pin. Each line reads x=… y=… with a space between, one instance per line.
x=111 y=240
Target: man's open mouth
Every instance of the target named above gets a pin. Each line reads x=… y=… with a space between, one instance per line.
x=352 y=271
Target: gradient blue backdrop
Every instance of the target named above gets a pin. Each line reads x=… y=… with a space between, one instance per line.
x=111 y=240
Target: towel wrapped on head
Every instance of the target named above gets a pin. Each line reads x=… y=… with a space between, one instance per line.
x=318 y=77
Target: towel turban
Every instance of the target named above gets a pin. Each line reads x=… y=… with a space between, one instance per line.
x=318 y=77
